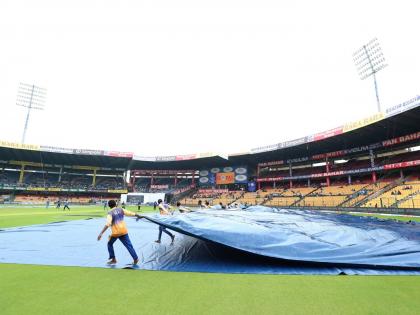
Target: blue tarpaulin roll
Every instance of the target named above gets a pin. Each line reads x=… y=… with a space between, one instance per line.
x=305 y=236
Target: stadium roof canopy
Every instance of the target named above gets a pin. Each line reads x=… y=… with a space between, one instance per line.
x=193 y=164
x=399 y=120
x=58 y=159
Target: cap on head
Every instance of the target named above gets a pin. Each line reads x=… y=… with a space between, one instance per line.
x=160 y=201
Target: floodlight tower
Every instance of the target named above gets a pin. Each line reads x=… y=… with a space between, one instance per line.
x=31 y=97
x=369 y=60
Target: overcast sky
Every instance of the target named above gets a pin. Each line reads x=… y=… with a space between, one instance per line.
x=177 y=77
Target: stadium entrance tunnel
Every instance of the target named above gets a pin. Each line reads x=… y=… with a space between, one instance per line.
x=257 y=240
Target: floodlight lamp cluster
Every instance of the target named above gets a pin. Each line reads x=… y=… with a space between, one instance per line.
x=369 y=59
x=31 y=96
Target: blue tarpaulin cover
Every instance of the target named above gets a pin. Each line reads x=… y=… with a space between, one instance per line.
x=309 y=236
x=255 y=240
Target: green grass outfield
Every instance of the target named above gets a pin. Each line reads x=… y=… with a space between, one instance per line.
x=390 y=217
x=28 y=289
x=29 y=215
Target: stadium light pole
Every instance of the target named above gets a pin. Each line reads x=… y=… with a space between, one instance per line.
x=369 y=60
x=31 y=97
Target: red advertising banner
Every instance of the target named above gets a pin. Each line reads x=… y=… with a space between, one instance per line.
x=213 y=191
x=329 y=154
x=269 y=179
x=410 y=137
x=401 y=165
x=225 y=178
x=119 y=154
x=185 y=157
x=329 y=133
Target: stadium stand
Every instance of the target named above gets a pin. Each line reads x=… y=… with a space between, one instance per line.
x=400 y=196
x=34 y=199
x=228 y=198
x=365 y=164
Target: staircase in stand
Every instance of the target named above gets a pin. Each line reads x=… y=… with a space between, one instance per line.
x=236 y=199
x=411 y=196
x=303 y=197
x=184 y=194
x=379 y=192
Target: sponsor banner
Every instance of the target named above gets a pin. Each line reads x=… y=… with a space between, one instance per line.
x=363 y=122
x=181 y=190
x=402 y=107
x=225 y=178
x=327 y=134
x=213 y=191
x=402 y=165
x=56 y=150
x=270 y=179
x=270 y=163
x=159 y=186
x=363 y=148
x=165 y=158
x=119 y=154
x=36 y=189
x=329 y=154
x=117 y=191
x=21 y=146
x=297 y=160
x=292 y=143
x=186 y=157
x=338 y=173
x=266 y=148
x=346 y=152
x=407 y=138
x=88 y=152
x=281 y=145
x=144 y=158
x=54 y=189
